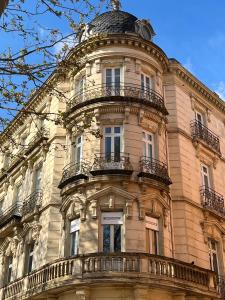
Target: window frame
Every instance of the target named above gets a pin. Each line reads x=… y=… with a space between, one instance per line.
x=77 y=146
x=152 y=232
x=37 y=178
x=9 y=269
x=17 y=198
x=113 y=135
x=202 y=166
x=211 y=255
x=75 y=233
x=146 y=143
x=144 y=86
x=113 y=76
x=112 y=224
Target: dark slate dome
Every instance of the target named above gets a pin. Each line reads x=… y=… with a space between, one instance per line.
x=117 y=21
x=114 y=22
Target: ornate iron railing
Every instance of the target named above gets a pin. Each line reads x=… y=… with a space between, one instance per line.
x=32 y=201
x=107 y=267
x=111 y=163
x=14 y=211
x=201 y=132
x=155 y=169
x=212 y=200
x=74 y=172
x=124 y=91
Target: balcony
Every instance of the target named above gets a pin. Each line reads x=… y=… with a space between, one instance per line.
x=130 y=268
x=124 y=92
x=212 y=201
x=11 y=214
x=73 y=172
x=32 y=202
x=154 y=169
x=112 y=164
x=202 y=133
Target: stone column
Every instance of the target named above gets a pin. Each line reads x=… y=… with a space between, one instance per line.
x=83 y=294
x=141 y=293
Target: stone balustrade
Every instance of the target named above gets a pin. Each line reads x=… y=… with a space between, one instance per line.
x=129 y=266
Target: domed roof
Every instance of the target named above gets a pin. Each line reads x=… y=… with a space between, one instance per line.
x=117 y=21
x=114 y=22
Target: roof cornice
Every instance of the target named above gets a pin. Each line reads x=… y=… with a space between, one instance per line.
x=182 y=73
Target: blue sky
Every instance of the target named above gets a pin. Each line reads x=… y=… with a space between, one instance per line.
x=191 y=31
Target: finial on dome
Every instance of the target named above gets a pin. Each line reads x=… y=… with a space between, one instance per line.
x=115 y=4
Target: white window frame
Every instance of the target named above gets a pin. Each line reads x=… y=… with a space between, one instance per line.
x=113 y=77
x=18 y=193
x=205 y=174
x=199 y=116
x=111 y=219
x=30 y=257
x=147 y=143
x=212 y=252
x=78 y=145
x=75 y=236
x=38 y=172
x=113 y=135
x=9 y=269
x=145 y=86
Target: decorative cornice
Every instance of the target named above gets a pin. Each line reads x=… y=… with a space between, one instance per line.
x=212 y=98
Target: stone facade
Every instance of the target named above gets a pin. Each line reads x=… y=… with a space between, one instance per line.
x=124 y=200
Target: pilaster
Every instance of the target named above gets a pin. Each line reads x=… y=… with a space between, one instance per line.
x=83 y=294
x=140 y=293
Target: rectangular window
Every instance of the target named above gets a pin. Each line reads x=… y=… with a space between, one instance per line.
x=30 y=255
x=152 y=235
x=9 y=269
x=146 y=83
x=18 y=194
x=205 y=176
x=113 y=81
x=74 y=236
x=37 y=179
x=199 y=118
x=213 y=255
x=113 y=143
x=112 y=226
x=78 y=149
x=148 y=144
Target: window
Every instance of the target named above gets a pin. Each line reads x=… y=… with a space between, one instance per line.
x=113 y=79
x=1 y=205
x=113 y=143
x=111 y=226
x=148 y=144
x=80 y=85
x=37 y=178
x=213 y=255
x=74 y=236
x=18 y=194
x=199 y=118
x=146 y=83
x=30 y=255
x=205 y=176
x=9 y=269
x=152 y=235
x=78 y=149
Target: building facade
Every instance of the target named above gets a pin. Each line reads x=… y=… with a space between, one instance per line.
x=124 y=200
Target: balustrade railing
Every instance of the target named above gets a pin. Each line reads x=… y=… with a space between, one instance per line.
x=212 y=200
x=111 y=163
x=113 y=264
x=201 y=132
x=154 y=168
x=75 y=171
x=32 y=201
x=124 y=90
x=14 y=211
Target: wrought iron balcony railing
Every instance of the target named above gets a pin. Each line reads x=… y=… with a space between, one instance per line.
x=211 y=200
x=14 y=212
x=112 y=163
x=154 y=169
x=73 y=172
x=107 y=267
x=201 y=132
x=32 y=201
x=123 y=92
